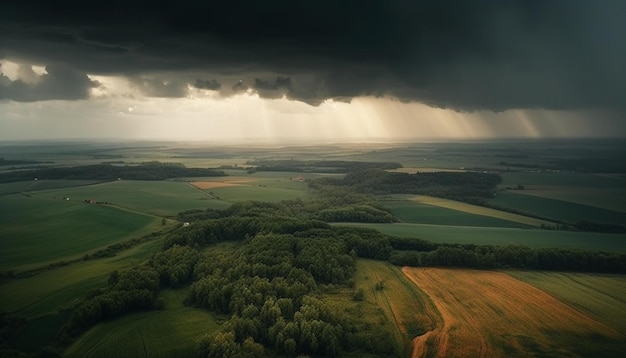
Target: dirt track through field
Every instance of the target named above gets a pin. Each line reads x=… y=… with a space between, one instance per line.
x=491 y=314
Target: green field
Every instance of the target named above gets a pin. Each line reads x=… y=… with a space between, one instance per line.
x=534 y=238
x=557 y=209
x=403 y=303
x=603 y=296
x=610 y=199
x=152 y=197
x=55 y=289
x=420 y=213
x=45 y=298
x=33 y=185
x=391 y=307
x=36 y=230
x=562 y=179
x=172 y=332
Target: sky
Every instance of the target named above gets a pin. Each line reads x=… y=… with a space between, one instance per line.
x=312 y=70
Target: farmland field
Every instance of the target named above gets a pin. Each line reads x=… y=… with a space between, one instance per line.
x=478 y=210
x=172 y=332
x=32 y=185
x=491 y=314
x=558 y=209
x=36 y=230
x=54 y=289
x=562 y=179
x=419 y=213
x=152 y=197
x=609 y=199
x=45 y=298
x=262 y=186
x=602 y=296
x=406 y=307
x=502 y=236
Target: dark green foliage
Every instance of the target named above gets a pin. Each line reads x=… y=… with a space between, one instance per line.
x=143 y=171
x=9 y=325
x=356 y=213
x=511 y=256
x=319 y=166
x=175 y=265
x=462 y=186
x=129 y=290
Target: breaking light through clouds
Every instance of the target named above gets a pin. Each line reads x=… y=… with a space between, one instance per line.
x=371 y=71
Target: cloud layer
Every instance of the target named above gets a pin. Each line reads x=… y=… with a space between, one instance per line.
x=465 y=55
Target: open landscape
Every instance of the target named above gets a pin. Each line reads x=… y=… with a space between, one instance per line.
x=91 y=234
x=306 y=179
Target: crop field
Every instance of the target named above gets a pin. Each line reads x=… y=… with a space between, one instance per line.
x=56 y=288
x=558 y=209
x=534 y=238
x=172 y=332
x=264 y=186
x=36 y=230
x=562 y=179
x=420 y=213
x=32 y=185
x=610 y=199
x=46 y=297
x=602 y=296
x=151 y=197
x=491 y=314
x=478 y=210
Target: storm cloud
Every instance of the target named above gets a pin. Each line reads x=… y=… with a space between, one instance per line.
x=58 y=83
x=464 y=55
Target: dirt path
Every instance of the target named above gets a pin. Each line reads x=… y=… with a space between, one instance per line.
x=491 y=314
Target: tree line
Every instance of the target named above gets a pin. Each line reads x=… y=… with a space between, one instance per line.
x=106 y=172
x=318 y=166
x=461 y=186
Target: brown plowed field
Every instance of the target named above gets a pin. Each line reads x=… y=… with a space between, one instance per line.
x=491 y=314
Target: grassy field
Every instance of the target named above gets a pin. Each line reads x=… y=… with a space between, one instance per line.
x=557 y=209
x=602 y=296
x=491 y=314
x=609 y=199
x=33 y=185
x=502 y=236
x=36 y=230
x=262 y=186
x=406 y=307
x=391 y=305
x=55 y=289
x=581 y=180
x=46 y=298
x=419 y=213
x=151 y=197
x=478 y=210
x=172 y=332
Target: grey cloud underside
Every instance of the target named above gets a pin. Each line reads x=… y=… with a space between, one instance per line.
x=60 y=83
x=465 y=55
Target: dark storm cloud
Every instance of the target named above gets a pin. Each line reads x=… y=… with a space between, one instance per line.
x=465 y=55
x=213 y=85
x=239 y=87
x=157 y=87
x=59 y=83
